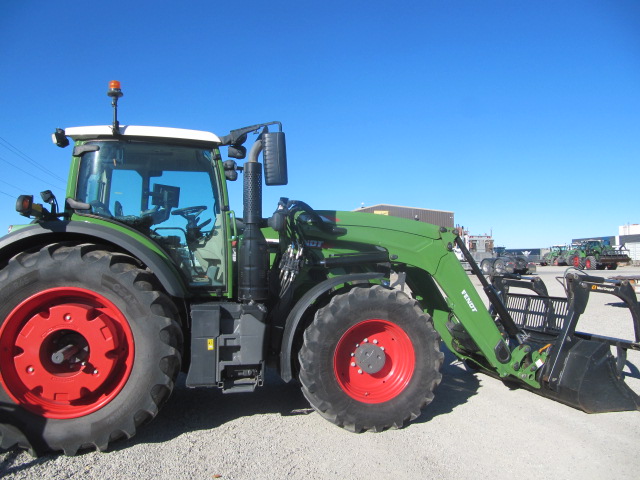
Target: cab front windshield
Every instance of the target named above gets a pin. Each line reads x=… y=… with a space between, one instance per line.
x=168 y=193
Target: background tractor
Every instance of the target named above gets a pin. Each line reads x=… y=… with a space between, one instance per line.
x=598 y=255
x=145 y=271
x=550 y=258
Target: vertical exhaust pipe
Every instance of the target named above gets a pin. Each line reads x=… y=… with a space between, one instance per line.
x=253 y=262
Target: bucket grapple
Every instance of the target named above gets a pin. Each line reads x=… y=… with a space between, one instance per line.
x=581 y=370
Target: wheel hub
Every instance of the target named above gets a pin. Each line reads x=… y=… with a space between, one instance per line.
x=374 y=361
x=67 y=349
x=370 y=358
x=65 y=352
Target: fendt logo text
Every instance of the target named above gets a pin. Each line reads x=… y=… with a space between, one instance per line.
x=469 y=302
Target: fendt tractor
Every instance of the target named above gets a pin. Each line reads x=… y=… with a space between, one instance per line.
x=598 y=255
x=145 y=272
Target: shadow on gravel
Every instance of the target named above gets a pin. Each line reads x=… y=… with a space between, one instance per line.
x=191 y=410
x=14 y=443
x=631 y=370
x=11 y=462
x=617 y=304
x=457 y=386
x=196 y=409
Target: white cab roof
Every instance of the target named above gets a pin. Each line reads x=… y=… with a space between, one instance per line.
x=85 y=133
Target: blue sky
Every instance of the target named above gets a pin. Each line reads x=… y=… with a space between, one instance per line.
x=521 y=117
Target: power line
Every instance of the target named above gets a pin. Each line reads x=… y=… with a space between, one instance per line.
x=26 y=157
x=10 y=184
x=10 y=196
x=29 y=173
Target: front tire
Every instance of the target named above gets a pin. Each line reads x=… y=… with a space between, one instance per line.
x=370 y=360
x=89 y=348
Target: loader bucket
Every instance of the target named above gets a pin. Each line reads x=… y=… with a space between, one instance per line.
x=589 y=380
x=581 y=370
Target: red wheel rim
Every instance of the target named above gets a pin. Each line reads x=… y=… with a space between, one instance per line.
x=395 y=361
x=576 y=261
x=65 y=352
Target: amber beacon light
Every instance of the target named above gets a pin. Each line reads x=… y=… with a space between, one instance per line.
x=115 y=93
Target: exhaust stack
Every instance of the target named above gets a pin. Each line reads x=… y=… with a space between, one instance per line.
x=253 y=263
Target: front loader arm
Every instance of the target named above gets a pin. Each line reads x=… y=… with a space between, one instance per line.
x=434 y=274
x=465 y=325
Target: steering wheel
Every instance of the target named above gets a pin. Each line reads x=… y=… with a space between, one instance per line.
x=189 y=211
x=191 y=215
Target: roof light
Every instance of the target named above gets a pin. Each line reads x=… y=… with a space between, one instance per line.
x=59 y=138
x=114 y=89
x=115 y=93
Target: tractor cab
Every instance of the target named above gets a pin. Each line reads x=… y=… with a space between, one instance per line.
x=169 y=185
x=161 y=182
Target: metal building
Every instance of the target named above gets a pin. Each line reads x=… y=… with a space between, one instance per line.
x=632 y=242
x=437 y=217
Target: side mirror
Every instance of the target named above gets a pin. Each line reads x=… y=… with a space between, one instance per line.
x=274 y=155
x=237 y=151
x=231 y=170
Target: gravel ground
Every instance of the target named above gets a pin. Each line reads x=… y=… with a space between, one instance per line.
x=476 y=426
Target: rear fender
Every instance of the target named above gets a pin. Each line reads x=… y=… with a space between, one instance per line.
x=297 y=312
x=131 y=242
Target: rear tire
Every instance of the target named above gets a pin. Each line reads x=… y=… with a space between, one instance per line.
x=124 y=340
x=487 y=266
x=499 y=267
x=370 y=360
x=590 y=263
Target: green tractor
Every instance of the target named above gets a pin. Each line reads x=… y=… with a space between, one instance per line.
x=572 y=254
x=599 y=255
x=566 y=254
x=549 y=258
x=145 y=272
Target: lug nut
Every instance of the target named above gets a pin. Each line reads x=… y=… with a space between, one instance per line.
x=353 y=364
x=375 y=342
x=366 y=340
x=30 y=369
x=360 y=371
